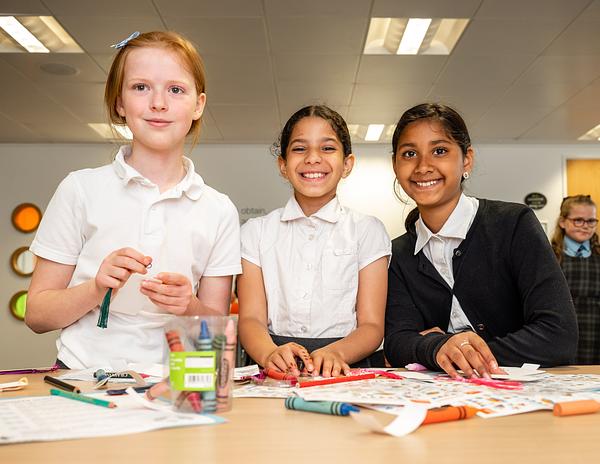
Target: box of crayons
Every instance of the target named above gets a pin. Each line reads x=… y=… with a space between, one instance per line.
x=201 y=360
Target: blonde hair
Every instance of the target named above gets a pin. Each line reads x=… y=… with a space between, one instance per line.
x=559 y=233
x=172 y=41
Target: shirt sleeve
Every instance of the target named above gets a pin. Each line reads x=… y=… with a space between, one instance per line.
x=251 y=240
x=374 y=242
x=225 y=255
x=60 y=237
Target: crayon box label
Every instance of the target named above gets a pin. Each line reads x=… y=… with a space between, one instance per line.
x=192 y=370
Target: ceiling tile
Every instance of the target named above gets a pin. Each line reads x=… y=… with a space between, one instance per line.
x=389 y=94
x=29 y=64
x=311 y=68
x=582 y=37
x=376 y=114
x=508 y=37
x=89 y=9
x=297 y=94
x=580 y=69
x=318 y=35
x=491 y=70
x=23 y=7
x=503 y=123
x=95 y=34
x=424 y=8
x=210 y=8
x=312 y=8
x=227 y=36
x=376 y=69
x=530 y=9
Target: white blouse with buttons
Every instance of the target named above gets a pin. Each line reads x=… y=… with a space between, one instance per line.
x=439 y=249
x=310 y=266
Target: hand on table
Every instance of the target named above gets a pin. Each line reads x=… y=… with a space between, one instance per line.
x=283 y=358
x=467 y=351
x=329 y=363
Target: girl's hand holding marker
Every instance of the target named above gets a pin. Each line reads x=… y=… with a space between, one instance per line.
x=114 y=272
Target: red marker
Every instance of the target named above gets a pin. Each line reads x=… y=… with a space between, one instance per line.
x=330 y=380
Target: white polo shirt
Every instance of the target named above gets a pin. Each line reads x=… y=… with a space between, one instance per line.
x=190 y=229
x=439 y=249
x=310 y=266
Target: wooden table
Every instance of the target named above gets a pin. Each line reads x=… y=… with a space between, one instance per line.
x=262 y=430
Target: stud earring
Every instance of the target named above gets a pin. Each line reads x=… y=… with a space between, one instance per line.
x=466 y=175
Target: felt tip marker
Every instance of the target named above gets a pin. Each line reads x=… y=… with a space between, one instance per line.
x=60 y=384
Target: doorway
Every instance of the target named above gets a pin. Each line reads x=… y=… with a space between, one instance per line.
x=583 y=177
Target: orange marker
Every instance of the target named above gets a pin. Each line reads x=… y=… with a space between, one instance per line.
x=448 y=413
x=570 y=408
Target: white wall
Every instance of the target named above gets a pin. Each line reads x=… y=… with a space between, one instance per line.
x=30 y=173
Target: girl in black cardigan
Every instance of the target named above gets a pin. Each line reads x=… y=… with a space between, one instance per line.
x=472 y=283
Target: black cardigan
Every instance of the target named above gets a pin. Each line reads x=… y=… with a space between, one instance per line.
x=508 y=283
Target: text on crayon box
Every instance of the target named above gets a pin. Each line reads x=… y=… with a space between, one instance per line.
x=199 y=380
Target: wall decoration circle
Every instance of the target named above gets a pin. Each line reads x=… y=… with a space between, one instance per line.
x=22 y=261
x=18 y=304
x=26 y=217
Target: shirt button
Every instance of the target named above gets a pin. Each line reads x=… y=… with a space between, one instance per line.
x=309 y=266
x=311 y=236
x=457 y=252
x=303 y=328
x=305 y=296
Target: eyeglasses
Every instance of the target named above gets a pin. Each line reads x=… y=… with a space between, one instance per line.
x=579 y=222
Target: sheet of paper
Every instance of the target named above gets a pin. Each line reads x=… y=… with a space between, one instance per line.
x=405 y=422
x=129 y=300
x=263 y=391
x=246 y=371
x=48 y=418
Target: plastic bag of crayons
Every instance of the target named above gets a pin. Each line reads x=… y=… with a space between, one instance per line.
x=201 y=362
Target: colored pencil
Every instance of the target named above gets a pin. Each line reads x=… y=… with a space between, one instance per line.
x=85 y=399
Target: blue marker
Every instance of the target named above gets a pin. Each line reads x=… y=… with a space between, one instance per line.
x=204 y=342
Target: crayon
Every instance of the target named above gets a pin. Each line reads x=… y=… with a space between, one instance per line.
x=448 y=413
x=335 y=408
x=174 y=341
x=224 y=377
x=85 y=399
x=204 y=342
x=60 y=384
x=175 y=344
x=277 y=375
x=570 y=408
x=209 y=401
x=330 y=380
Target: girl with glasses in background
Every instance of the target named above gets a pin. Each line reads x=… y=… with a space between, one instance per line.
x=575 y=243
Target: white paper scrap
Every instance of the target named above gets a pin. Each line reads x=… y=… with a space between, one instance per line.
x=402 y=424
